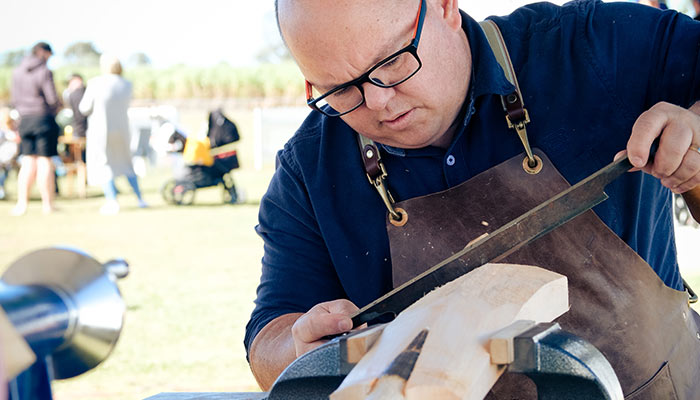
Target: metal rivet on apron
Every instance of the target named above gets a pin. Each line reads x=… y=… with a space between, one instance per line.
x=369 y=153
x=685 y=316
x=697 y=335
x=451 y=160
x=534 y=170
x=404 y=217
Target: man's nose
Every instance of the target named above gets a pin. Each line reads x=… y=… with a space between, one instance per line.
x=376 y=98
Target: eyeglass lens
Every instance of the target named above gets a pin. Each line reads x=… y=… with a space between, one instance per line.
x=387 y=74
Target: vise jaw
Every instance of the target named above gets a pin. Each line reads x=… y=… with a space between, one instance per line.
x=560 y=364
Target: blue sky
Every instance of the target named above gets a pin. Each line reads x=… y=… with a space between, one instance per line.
x=198 y=32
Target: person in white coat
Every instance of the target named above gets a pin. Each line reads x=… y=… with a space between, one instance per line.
x=108 y=152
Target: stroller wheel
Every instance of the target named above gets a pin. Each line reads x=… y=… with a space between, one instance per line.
x=180 y=193
x=230 y=195
x=167 y=191
x=682 y=213
x=183 y=193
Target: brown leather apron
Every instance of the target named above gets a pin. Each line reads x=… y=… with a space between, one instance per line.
x=645 y=329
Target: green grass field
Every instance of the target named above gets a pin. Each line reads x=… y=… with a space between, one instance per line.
x=194 y=270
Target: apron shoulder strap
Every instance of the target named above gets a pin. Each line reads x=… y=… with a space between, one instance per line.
x=513 y=103
x=516 y=116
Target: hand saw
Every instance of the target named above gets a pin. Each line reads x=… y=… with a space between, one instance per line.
x=497 y=245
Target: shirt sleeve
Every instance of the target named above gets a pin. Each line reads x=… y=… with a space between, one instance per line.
x=297 y=272
x=49 y=91
x=646 y=55
x=86 y=103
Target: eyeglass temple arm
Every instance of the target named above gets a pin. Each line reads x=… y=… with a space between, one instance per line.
x=308 y=90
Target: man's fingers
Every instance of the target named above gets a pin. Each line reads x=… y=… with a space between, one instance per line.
x=677 y=129
x=310 y=327
x=646 y=129
x=673 y=148
x=322 y=320
x=688 y=185
x=687 y=175
x=341 y=306
x=621 y=154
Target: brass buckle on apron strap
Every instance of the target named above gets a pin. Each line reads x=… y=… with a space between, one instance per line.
x=516 y=116
x=531 y=164
x=692 y=296
x=376 y=174
x=513 y=104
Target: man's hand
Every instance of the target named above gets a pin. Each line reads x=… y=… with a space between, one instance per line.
x=330 y=318
x=288 y=336
x=677 y=160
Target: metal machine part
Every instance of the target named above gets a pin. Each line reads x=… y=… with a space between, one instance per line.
x=316 y=374
x=68 y=308
x=560 y=362
x=557 y=361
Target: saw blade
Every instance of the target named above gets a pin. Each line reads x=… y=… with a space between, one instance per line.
x=533 y=224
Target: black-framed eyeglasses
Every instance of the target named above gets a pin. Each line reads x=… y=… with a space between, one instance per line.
x=391 y=71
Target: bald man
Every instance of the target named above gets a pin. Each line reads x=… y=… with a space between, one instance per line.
x=420 y=83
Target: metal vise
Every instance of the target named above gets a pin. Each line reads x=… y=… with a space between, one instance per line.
x=67 y=307
x=558 y=362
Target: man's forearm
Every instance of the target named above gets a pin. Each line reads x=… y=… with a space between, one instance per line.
x=273 y=350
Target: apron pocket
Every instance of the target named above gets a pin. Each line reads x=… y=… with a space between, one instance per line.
x=660 y=386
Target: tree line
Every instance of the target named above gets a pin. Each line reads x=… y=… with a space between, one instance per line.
x=78 y=54
x=277 y=77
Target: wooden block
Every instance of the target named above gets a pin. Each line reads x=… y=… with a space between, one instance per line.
x=392 y=382
x=461 y=317
x=501 y=343
x=388 y=387
x=359 y=344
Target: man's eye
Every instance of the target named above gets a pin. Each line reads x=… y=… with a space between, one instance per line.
x=391 y=62
x=342 y=92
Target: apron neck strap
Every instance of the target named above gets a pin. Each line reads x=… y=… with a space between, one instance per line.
x=513 y=103
x=513 y=106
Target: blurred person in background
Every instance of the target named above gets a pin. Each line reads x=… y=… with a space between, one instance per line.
x=696 y=7
x=9 y=147
x=34 y=97
x=108 y=153
x=72 y=97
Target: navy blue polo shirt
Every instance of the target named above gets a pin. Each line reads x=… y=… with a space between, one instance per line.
x=587 y=70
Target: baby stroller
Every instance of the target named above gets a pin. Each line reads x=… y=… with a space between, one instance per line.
x=209 y=162
x=682 y=213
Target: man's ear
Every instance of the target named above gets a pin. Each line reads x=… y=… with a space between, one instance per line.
x=450 y=13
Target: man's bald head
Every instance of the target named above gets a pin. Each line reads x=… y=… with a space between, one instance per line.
x=338 y=41
x=294 y=14
x=284 y=3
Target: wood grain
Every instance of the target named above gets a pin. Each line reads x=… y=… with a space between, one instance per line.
x=461 y=317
